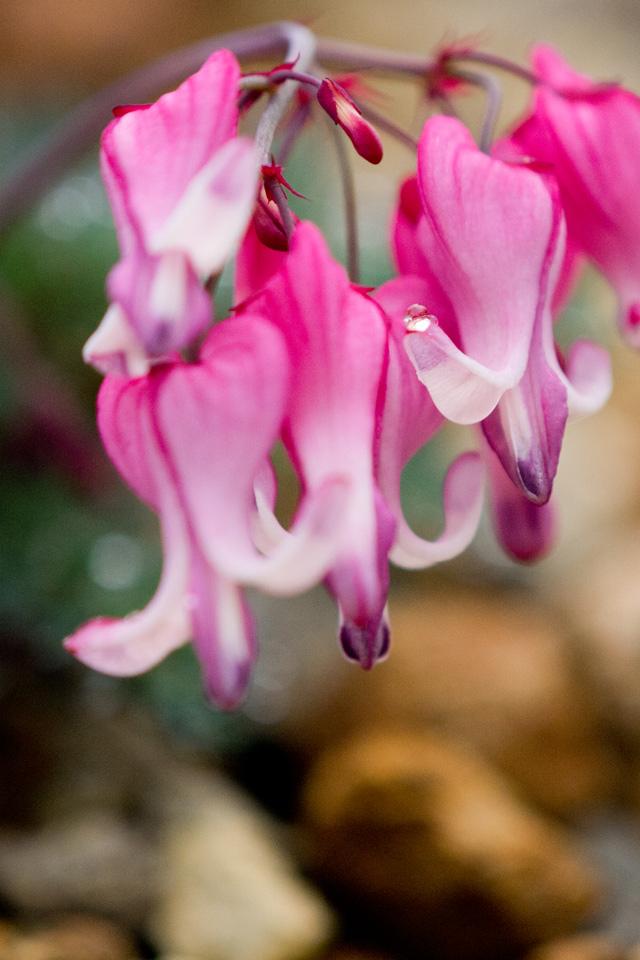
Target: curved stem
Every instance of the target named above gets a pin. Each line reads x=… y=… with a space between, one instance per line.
x=379 y=120
x=494 y=101
x=500 y=63
x=349 y=201
x=302 y=49
x=357 y=56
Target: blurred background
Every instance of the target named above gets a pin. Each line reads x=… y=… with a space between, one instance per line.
x=476 y=796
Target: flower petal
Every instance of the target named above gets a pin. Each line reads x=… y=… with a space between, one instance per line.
x=145 y=173
x=488 y=233
x=525 y=530
x=162 y=300
x=127 y=647
x=210 y=218
x=337 y=343
x=463 y=499
x=590 y=133
x=223 y=633
x=114 y=348
x=218 y=421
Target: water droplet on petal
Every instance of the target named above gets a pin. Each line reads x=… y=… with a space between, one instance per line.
x=417 y=318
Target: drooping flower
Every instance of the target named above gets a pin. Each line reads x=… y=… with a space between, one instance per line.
x=486 y=239
x=409 y=420
x=356 y=408
x=182 y=188
x=589 y=134
x=192 y=440
x=337 y=343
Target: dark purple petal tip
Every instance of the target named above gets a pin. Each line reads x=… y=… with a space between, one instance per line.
x=365 y=644
x=536 y=484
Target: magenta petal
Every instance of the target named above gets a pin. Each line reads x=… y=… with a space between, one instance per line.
x=209 y=220
x=591 y=135
x=409 y=420
x=337 y=343
x=145 y=174
x=526 y=428
x=223 y=633
x=365 y=644
x=527 y=531
x=114 y=348
x=127 y=647
x=219 y=420
x=359 y=581
x=489 y=232
x=162 y=300
x=463 y=499
x=255 y=265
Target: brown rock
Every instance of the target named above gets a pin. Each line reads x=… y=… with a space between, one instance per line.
x=601 y=599
x=417 y=826
x=581 y=947
x=76 y=938
x=497 y=671
x=230 y=890
x=97 y=863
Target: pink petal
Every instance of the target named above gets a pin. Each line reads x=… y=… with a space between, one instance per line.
x=337 y=343
x=409 y=421
x=527 y=531
x=463 y=499
x=137 y=643
x=223 y=633
x=255 y=265
x=114 y=347
x=591 y=135
x=162 y=300
x=218 y=421
x=208 y=221
x=526 y=428
x=489 y=233
x=145 y=173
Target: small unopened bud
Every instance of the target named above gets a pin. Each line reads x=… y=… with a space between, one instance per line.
x=268 y=225
x=343 y=111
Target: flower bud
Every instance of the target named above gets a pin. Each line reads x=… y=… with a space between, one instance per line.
x=343 y=111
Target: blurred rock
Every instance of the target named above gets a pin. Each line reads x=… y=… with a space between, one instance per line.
x=611 y=840
x=230 y=892
x=75 y=938
x=96 y=863
x=600 y=596
x=495 y=670
x=581 y=947
x=440 y=849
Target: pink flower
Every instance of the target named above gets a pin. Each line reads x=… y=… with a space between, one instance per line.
x=337 y=343
x=192 y=440
x=356 y=410
x=182 y=188
x=409 y=420
x=486 y=240
x=589 y=134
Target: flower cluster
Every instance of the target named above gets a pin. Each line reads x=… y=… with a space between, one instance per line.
x=487 y=243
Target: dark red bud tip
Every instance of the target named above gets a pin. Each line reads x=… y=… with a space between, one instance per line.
x=343 y=111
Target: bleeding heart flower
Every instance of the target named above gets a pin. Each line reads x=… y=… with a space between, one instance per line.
x=182 y=187
x=589 y=134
